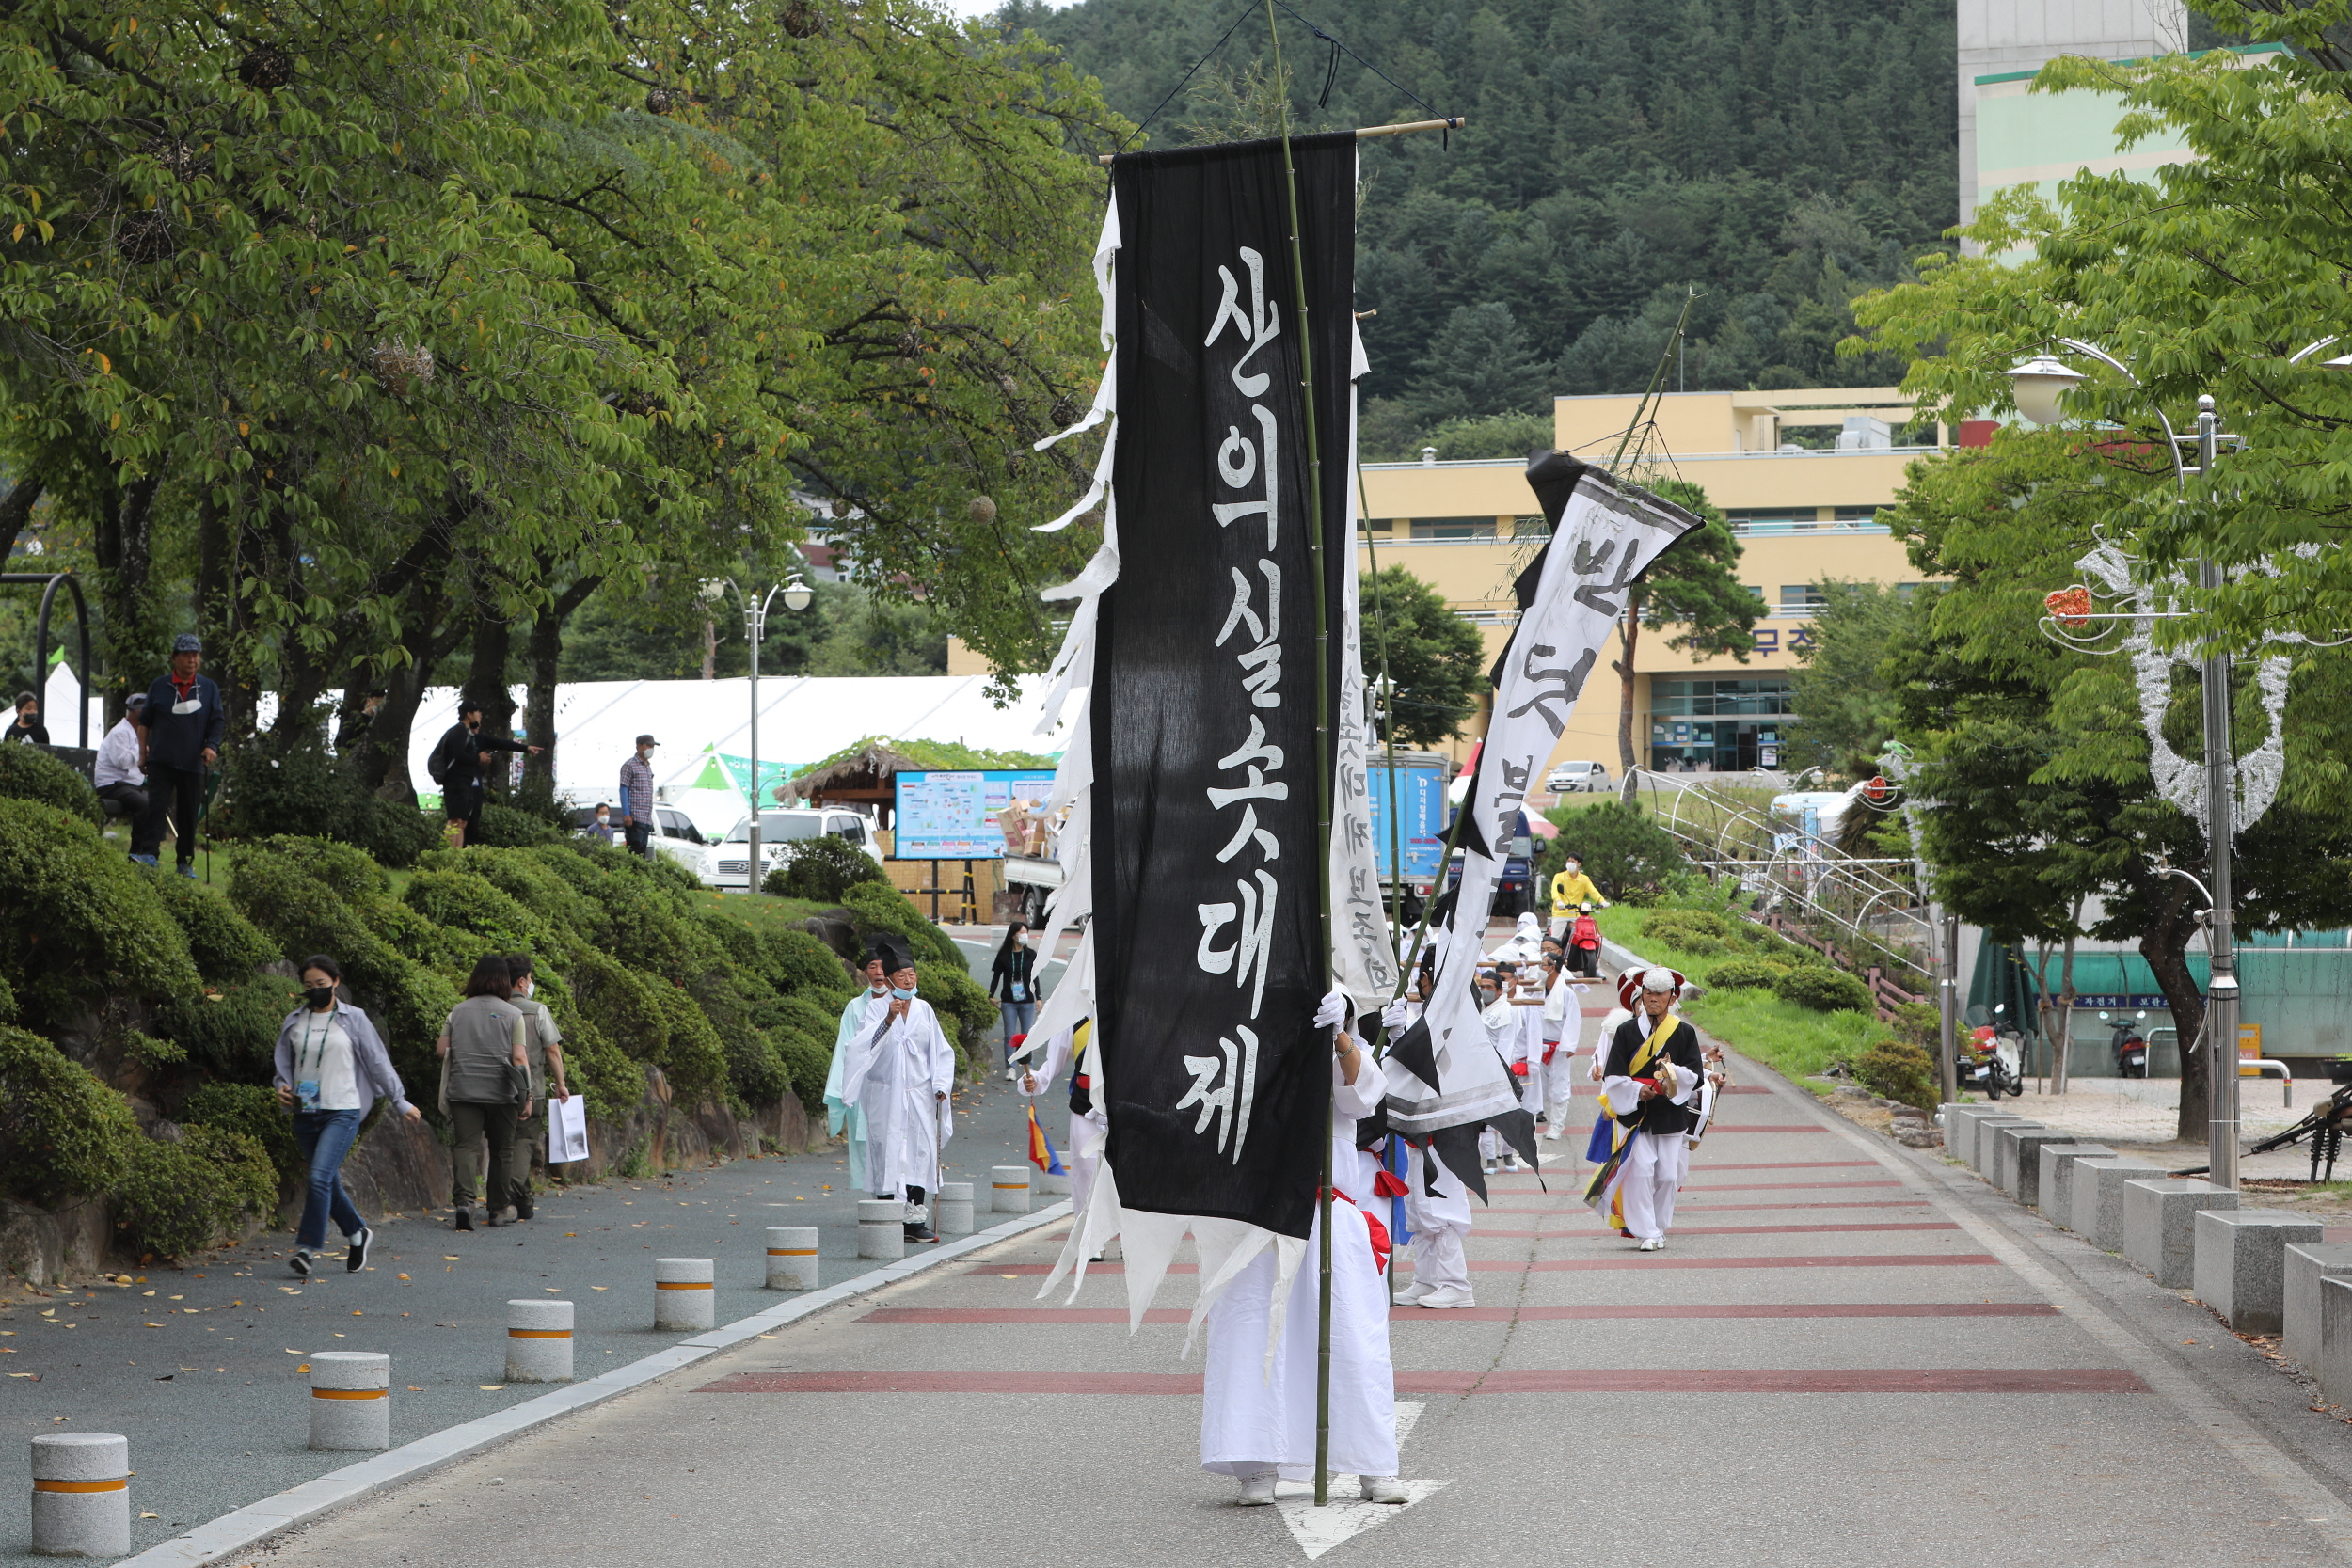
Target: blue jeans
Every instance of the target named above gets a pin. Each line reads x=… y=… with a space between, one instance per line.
x=1018 y=1016
x=324 y=1137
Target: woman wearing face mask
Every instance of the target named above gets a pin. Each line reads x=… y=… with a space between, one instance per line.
x=1011 y=985
x=331 y=1065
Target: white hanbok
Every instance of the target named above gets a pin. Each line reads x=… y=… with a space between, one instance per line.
x=1255 y=1416
x=1564 y=1030
x=844 y=1118
x=1439 y=1220
x=1088 y=1130
x=1657 y=1163
x=898 y=1072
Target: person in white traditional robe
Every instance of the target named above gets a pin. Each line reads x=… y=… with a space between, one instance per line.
x=844 y=1115
x=1258 y=1421
x=1437 y=1210
x=1563 y=1032
x=1090 y=1127
x=1505 y=1027
x=899 y=1070
x=1523 y=945
x=1653 y=1092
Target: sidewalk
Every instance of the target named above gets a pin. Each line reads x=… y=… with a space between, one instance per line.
x=1757 y=1387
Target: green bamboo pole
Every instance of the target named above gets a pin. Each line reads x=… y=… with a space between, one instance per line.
x=1396 y=804
x=1322 y=752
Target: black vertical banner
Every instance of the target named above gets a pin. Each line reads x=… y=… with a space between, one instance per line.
x=1208 y=871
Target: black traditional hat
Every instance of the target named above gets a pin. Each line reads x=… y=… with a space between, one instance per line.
x=892 y=952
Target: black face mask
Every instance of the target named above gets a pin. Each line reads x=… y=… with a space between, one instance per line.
x=319 y=997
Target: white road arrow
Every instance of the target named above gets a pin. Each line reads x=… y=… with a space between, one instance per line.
x=1347 y=1516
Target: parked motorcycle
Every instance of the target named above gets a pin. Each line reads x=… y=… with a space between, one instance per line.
x=2129 y=1045
x=1990 y=1060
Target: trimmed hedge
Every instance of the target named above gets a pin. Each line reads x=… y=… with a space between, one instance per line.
x=1756 y=973
x=505 y=828
x=1824 y=990
x=1899 y=1070
x=63 y=1134
x=254 y=1111
x=224 y=944
x=824 y=869
x=179 y=1198
x=28 y=774
x=80 y=926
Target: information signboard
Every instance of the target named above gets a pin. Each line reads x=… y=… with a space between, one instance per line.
x=969 y=815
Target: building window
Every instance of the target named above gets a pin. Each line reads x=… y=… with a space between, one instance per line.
x=1531 y=527
x=1386 y=525
x=1454 y=528
x=1773 y=520
x=1755 y=587
x=1801 y=598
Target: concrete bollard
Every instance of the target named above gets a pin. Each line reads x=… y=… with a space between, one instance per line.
x=1979 y=1152
x=2335 y=1340
x=82 y=1494
x=791 y=1257
x=2307 y=1265
x=2002 y=1145
x=2160 y=1226
x=1050 y=1184
x=2240 y=1266
x=1011 y=1184
x=951 y=1211
x=2097 y=1190
x=539 y=1342
x=2020 y=1160
x=881 y=1229
x=1959 y=1121
x=685 y=1292
x=351 y=1401
x=2056 y=1178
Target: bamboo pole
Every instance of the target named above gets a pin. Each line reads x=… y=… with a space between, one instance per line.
x=1322 y=767
x=1366 y=132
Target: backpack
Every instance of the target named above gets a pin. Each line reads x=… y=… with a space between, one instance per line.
x=444 y=759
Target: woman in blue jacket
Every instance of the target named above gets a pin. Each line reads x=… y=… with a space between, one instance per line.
x=331 y=1067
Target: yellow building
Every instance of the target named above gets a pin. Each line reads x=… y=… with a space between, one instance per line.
x=1803 y=513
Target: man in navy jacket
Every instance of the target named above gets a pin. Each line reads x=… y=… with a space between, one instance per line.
x=180 y=731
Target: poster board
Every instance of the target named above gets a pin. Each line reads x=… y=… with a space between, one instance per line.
x=968 y=815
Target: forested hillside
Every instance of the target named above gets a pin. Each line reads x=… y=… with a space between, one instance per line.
x=1775 y=156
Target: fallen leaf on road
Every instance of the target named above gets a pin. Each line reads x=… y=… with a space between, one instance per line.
x=448 y=1258
x=151 y=1516
x=600 y=1287
x=404 y=1277
x=294 y=1352
x=490 y=1387
x=304 y=1368
x=416 y=1388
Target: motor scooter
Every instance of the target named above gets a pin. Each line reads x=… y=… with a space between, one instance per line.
x=2129 y=1045
x=1990 y=1058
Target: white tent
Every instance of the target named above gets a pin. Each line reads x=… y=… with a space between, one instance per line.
x=802 y=718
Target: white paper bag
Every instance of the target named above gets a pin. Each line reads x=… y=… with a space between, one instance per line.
x=567 y=1130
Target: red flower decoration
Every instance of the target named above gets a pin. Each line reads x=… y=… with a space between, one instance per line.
x=2069 y=607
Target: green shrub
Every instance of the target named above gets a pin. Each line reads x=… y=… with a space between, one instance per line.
x=394 y=832
x=223 y=942
x=1625 y=851
x=254 y=1111
x=1898 y=1070
x=179 y=1198
x=528 y=881
x=808 y=1061
x=346 y=872
x=594 y=1066
x=424 y=942
x=1918 y=1023
x=272 y=786
x=824 y=869
x=460 y=902
x=27 y=774
x=1704 y=922
x=151 y=1053
x=503 y=827
x=63 y=1134
x=755 y=1067
x=623 y=1004
x=965 y=1013
x=230 y=1031
x=79 y=923
x=8 y=1001
x=797 y=962
x=879 y=906
x=1732 y=974
x=692 y=1056
x=1824 y=990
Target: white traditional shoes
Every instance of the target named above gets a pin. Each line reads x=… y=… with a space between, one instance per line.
x=1257 y=1491
x=1413 y=1295
x=1381 y=1489
x=1445 y=1296
x=1652 y=1243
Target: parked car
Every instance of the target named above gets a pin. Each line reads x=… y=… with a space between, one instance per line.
x=1577 y=778
x=778 y=829
x=673 y=835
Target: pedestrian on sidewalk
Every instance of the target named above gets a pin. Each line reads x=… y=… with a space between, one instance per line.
x=1650 y=1088
x=330 y=1066
x=1258 y=1417
x=460 y=763
x=180 y=729
x=863 y=1013
x=1563 y=1028
x=637 y=803
x=121 y=783
x=26 y=725
x=485 y=1088
x=1011 y=986
x=901 y=1071
x=1570 y=888
x=543 y=1055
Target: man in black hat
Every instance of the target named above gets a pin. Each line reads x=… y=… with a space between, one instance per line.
x=637 y=800
x=899 y=1069
x=459 y=763
x=180 y=730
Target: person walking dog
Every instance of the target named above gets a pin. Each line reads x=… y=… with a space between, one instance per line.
x=331 y=1065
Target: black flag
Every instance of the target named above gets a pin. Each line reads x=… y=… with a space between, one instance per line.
x=1208 y=872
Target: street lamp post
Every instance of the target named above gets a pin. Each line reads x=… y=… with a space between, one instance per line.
x=2040 y=382
x=755 y=606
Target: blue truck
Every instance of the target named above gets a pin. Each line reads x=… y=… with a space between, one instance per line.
x=1419 y=830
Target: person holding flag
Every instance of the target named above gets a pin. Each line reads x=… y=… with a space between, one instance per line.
x=1649 y=1088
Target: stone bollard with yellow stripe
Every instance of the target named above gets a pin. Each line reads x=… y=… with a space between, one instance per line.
x=538 y=1341
x=685 y=1292
x=951 y=1210
x=81 y=1494
x=791 y=1257
x=1010 y=1185
x=351 y=1401
x=881 y=1229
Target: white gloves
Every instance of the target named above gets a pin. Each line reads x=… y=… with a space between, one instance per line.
x=1334 y=1011
x=1397 y=1017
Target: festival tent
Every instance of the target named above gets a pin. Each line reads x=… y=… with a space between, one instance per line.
x=703 y=766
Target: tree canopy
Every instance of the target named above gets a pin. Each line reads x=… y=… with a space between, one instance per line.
x=1436 y=659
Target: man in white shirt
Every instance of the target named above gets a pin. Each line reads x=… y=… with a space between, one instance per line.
x=118 y=776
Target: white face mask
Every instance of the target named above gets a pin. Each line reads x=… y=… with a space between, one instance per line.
x=1027 y=941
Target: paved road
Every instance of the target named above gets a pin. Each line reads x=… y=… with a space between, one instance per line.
x=198 y=1366
x=1850 y=1354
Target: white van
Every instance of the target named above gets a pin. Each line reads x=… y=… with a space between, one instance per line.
x=779 y=827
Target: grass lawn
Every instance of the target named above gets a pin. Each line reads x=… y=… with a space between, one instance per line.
x=762 y=913
x=1796 y=1043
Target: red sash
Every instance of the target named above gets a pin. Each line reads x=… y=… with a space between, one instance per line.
x=1377 y=1232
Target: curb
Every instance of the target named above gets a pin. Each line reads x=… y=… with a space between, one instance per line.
x=235 y=1531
